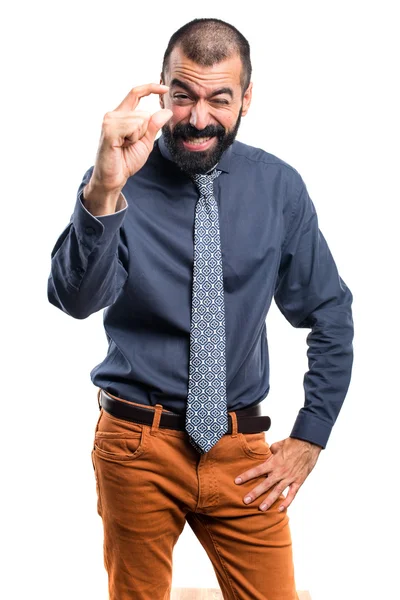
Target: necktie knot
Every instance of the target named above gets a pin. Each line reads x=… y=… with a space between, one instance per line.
x=204 y=182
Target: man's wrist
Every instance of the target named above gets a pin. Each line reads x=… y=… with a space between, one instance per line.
x=99 y=201
x=307 y=442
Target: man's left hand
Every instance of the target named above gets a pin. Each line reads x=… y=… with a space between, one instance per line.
x=291 y=462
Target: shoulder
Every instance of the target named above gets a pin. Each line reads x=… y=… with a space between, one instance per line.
x=273 y=174
x=244 y=155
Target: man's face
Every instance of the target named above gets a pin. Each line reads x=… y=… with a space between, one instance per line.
x=207 y=106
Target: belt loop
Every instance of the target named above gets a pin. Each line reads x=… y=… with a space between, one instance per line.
x=234 y=423
x=98 y=398
x=156 y=419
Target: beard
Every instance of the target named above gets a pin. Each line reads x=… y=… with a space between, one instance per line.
x=192 y=162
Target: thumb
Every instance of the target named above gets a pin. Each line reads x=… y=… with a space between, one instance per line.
x=157 y=121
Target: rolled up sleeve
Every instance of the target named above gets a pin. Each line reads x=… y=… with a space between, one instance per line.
x=310 y=294
x=88 y=261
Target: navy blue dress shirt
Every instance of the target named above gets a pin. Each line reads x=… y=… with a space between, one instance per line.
x=137 y=263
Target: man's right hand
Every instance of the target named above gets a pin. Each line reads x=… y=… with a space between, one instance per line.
x=127 y=138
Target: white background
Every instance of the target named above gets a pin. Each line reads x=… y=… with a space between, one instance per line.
x=325 y=101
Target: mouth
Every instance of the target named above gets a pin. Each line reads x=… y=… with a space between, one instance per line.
x=198 y=143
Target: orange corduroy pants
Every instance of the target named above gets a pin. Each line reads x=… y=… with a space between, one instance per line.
x=150 y=481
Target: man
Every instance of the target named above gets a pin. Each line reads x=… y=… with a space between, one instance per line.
x=185 y=239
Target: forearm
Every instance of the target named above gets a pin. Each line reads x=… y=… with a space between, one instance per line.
x=330 y=360
x=87 y=272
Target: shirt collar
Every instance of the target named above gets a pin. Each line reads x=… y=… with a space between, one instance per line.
x=223 y=165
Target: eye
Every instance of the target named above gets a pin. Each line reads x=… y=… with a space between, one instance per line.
x=221 y=101
x=181 y=97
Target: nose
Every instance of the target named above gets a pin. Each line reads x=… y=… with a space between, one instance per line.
x=199 y=116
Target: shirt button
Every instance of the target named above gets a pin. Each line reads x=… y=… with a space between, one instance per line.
x=90 y=230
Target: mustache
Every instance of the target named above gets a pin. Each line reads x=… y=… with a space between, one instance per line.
x=186 y=131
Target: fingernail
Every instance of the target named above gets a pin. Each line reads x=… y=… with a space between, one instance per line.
x=238 y=480
x=263 y=507
x=281 y=508
x=247 y=499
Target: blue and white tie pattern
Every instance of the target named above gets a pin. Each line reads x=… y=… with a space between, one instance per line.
x=206 y=413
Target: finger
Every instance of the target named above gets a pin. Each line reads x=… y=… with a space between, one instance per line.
x=156 y=122
x=124 y=124
x=263 y=487
x=132 y=99
x=293 y=489
x=274 y=495
x=254 y=472
x=137 y=129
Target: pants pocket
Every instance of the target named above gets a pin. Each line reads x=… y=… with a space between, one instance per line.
x=254 y=445
x=119 y=440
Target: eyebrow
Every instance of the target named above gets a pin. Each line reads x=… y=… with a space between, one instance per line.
x=185 y=86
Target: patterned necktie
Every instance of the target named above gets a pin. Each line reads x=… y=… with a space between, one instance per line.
x=206 y=413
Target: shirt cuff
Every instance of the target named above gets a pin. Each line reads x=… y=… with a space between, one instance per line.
x=92 y=230
x=311 y=428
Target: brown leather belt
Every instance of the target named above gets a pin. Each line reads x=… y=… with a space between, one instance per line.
x=249 y=420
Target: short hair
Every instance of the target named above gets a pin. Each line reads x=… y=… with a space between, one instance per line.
x=209 y=41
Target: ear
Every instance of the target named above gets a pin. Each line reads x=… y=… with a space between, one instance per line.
x=161 y=97
x=247 y=99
